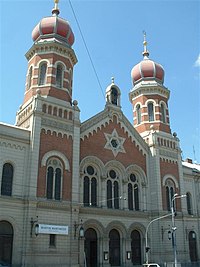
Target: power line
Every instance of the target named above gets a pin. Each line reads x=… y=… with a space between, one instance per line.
x=91 y=61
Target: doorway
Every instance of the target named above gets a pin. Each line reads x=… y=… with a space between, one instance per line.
x=91 y=247
x=6 y=242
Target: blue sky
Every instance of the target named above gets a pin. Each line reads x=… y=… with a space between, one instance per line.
x=113 y=32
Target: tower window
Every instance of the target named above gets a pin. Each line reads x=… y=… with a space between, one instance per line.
x=163 y=115
x=114 y=96
x=42 y=74
x=59 y=75
x=30 y=77
x=138 y=112
x=151 y=111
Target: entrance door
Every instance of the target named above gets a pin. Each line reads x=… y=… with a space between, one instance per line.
x=91 y=247
x=6 y=242
x=136 y=247
x=114 y=248
x=193 y=246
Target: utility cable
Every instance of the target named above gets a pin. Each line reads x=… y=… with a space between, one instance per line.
x=88 y=52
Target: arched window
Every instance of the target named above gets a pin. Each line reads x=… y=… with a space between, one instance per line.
x=138 y=112
x=193 y=246
x=150 y=107
x=133 y=193
x=114 y=248
x=189 y=203
x=169 y=194
x=30 y=73
x=7 y=180
x=163 y=113
x=59 y=76
x=54 y=179
x=90 y=186
x=42 y=73
x=114 y=96
x=136 y=248
x=112 y=190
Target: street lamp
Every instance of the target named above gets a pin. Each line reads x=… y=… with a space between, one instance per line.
x=175 y=196
x=147 y=248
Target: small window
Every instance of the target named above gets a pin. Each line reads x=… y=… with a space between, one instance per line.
x=151 y=111
x=189 y=203
x=52 y=241
x=7 y=180
x=42 y=74
x=163 y=115
x=59 y=76
x=30 y=77
x=169 y=195
x=138 y=113
x=114 y=96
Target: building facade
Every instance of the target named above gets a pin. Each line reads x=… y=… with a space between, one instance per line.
x=84 y=193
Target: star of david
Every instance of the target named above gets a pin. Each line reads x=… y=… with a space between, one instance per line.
x=114 y=142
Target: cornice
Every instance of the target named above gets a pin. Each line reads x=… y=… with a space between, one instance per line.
x=149 y=89
x=54 y=125
x=52 y=47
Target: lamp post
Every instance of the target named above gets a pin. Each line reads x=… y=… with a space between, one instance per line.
x=147 y=248
x=175 y=196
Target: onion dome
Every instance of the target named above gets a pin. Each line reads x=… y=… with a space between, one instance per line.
x=147 y=69
x=53 y=27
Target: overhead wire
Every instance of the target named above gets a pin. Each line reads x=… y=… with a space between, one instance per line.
x=86 y=47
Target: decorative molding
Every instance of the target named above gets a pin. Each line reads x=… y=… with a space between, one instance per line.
x=54 y=153
x=168 y=154
x=169 y=176
x=52 y=47
x=148 y=89
x=92 y=160
x=57 y=125
x=13 y=146
x=114 y=143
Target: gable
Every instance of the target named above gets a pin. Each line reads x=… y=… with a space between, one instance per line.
x=110 y=136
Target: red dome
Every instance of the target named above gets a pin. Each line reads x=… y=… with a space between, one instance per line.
x=53 y=26
x=147 y=70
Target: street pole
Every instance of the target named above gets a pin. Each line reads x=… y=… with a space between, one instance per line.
x=174 y=227
x=146 y=236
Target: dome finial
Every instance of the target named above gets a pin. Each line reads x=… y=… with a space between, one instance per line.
x=113 y=80
x=55 y=10
x=145 y=52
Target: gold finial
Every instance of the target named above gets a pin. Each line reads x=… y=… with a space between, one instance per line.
x=145 y=52
x=55 y=10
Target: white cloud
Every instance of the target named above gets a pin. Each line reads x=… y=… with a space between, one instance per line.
x=197 y=62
